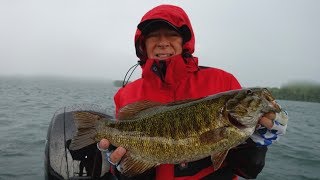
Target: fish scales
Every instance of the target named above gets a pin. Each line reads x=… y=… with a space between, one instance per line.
x=175 y=131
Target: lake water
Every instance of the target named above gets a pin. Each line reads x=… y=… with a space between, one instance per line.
x=28 y=104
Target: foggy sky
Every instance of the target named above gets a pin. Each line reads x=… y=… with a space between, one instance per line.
x=263 y=43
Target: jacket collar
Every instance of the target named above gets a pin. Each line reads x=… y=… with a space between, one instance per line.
x=175 y=69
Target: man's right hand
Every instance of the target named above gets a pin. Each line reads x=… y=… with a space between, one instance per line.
x=116 y=155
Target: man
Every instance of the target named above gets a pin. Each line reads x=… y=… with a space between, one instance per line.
x=164 y=43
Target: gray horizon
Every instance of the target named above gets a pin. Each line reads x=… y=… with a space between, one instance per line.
x=263 y=43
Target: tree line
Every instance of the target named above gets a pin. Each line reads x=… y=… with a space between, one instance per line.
x=298 y=91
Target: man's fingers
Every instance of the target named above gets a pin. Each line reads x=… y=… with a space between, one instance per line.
x=117 y=154
x=267 y=119
x=270 y=115
x=266 y=122
x=104 y=144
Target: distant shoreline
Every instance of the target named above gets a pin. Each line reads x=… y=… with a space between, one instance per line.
x=296 y=91
x=309 y=92
x=118 y=83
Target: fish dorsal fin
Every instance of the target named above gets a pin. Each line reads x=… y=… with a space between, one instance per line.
x=130 y=110
x=181 y=102
x=132 y=165
x=218 y=159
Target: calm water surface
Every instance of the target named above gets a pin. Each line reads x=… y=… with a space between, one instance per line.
x=28 y=104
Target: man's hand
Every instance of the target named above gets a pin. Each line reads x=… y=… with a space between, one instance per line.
x=116 y=155
x=267 y=120
x=269 y=129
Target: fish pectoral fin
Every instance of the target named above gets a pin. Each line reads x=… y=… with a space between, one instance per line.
x=130 y=110
x=213 y=135
x=218 y=159
x=131 y=165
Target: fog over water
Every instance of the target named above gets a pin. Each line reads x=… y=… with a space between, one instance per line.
x=263 y=43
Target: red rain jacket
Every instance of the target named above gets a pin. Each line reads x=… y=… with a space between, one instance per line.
x=174 y=79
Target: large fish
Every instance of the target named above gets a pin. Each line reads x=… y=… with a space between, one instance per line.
x=179 y=132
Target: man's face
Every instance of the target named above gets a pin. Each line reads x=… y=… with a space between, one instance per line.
x=163 y=43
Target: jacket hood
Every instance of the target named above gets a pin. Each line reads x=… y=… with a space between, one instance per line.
x=172 y=15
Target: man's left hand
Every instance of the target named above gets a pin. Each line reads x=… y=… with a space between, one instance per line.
x=269 y=129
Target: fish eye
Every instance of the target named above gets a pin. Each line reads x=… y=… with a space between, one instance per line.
x=249 y=91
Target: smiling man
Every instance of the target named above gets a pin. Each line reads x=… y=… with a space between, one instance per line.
x=163 y=43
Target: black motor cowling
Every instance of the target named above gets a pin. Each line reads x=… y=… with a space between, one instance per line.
x=62 y=163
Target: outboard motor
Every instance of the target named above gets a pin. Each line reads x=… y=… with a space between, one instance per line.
x=62 y=163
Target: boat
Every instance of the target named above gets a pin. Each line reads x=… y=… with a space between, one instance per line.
x=62 y=163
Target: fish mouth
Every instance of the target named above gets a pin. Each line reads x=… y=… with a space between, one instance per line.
x=235 y=122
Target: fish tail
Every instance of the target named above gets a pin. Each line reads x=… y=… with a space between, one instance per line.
x=86 y=123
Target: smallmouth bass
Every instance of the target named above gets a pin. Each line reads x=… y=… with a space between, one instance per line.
x=178 y=132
